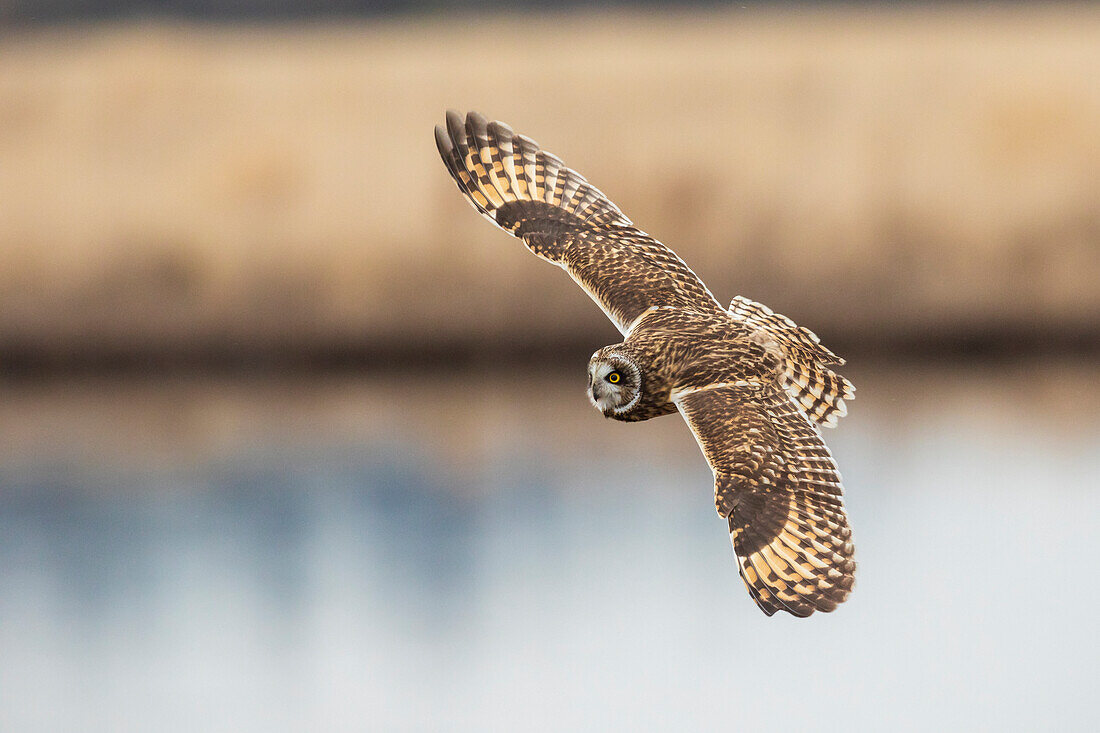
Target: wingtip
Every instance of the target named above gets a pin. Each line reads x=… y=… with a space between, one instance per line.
x=456 y=127
x=442 y=141
x=476 y=118
x=501 y=130
x=477 y=127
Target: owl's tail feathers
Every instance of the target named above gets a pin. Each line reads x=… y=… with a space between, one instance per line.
x=819 y=391
x=515 y=184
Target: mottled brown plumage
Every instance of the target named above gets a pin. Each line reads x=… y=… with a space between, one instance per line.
x=751 y=384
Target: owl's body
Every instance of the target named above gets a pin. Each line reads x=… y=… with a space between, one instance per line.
x=678 y=350
x=751 y=385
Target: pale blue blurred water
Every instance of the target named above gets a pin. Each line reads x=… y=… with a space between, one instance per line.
x=466 y=556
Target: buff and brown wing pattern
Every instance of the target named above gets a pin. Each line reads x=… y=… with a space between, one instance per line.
x=777 y=485
x=775 y=480
x=564 y=219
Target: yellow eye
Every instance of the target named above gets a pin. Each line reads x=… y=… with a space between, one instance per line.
x=614 y=377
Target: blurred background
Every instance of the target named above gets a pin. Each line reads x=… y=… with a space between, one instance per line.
x=291 y=439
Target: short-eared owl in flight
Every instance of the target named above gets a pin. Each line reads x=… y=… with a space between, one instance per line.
x=752 y=385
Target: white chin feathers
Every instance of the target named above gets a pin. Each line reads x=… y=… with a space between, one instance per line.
x=606 y=401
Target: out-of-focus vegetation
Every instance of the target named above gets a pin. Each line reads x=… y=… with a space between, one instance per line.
x=885 y=177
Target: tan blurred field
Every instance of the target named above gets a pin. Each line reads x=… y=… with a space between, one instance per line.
x=877 y=175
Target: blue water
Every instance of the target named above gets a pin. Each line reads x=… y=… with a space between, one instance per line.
x=382 y=554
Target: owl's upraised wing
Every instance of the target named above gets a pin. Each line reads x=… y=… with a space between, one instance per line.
x=564 y=219
x=777 y=484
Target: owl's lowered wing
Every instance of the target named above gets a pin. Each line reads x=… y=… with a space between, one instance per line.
x=564 y=219
x=777 y=484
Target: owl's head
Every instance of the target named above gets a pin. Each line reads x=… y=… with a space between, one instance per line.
x=614 y=381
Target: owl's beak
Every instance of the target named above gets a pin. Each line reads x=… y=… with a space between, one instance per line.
x=594 y=393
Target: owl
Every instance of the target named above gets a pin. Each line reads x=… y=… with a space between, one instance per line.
x=752 y=386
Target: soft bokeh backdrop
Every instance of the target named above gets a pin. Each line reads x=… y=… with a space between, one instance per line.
x=907 y=175
x=292 y=440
